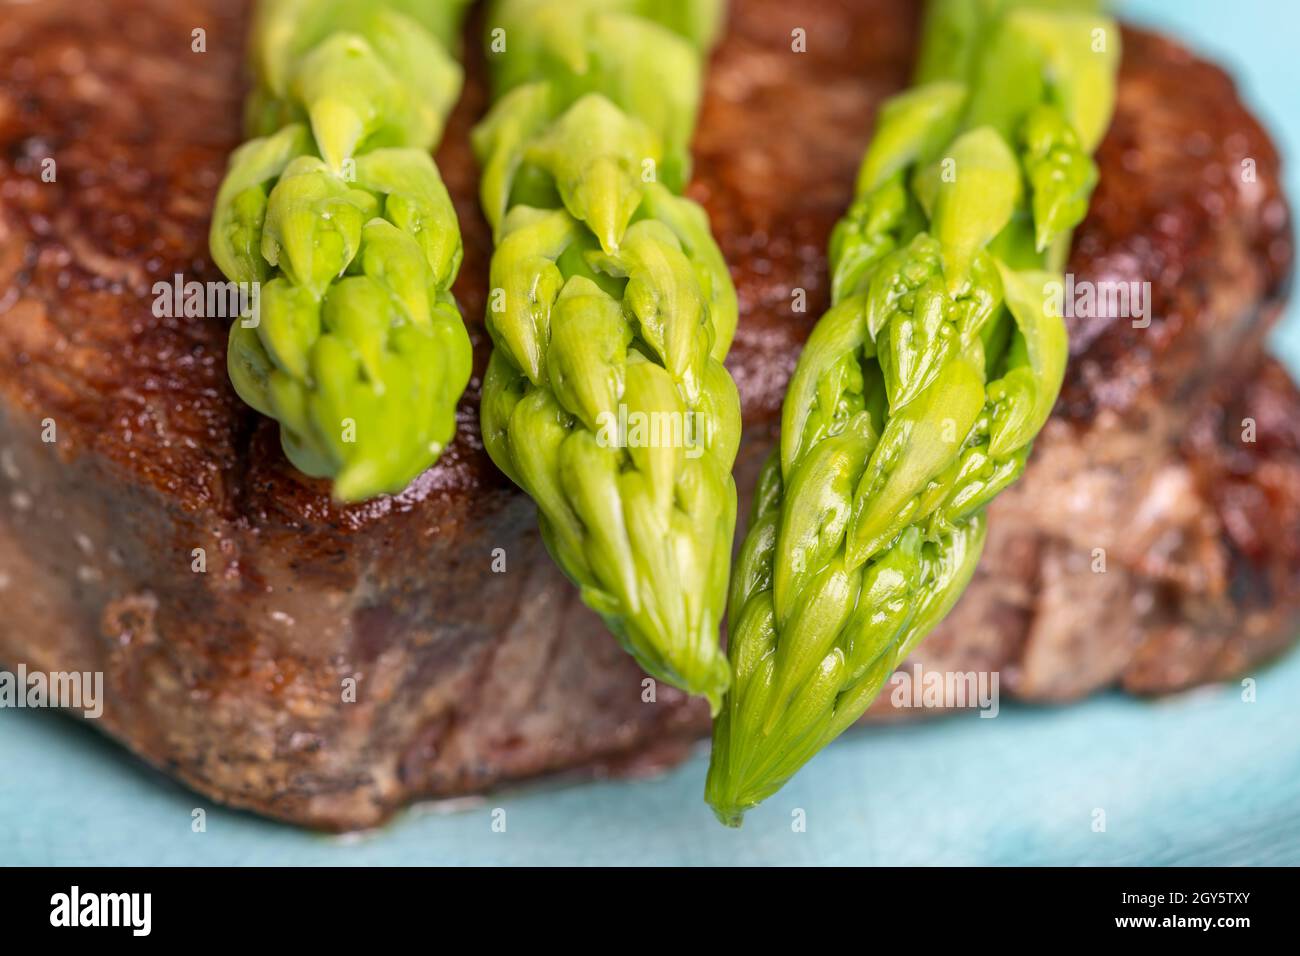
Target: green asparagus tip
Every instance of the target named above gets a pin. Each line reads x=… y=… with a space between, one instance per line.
x=715 y=703
x=346 y=223
x=713 y=685
x=730 y=817
x=358 y=481
x=918 y=395
x=723 y=795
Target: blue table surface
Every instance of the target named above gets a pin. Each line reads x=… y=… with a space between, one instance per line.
x=1204 y=777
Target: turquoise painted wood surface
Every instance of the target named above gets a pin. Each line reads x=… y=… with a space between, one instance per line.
x=1199 y=778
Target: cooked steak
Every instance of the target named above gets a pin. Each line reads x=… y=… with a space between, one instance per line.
x=326 y=665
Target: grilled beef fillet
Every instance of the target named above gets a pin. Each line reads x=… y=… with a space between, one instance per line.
x=233 y=678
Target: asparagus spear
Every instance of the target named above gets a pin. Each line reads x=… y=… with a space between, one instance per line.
x=918 y=395
x=338 y=211
x=611 y=310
